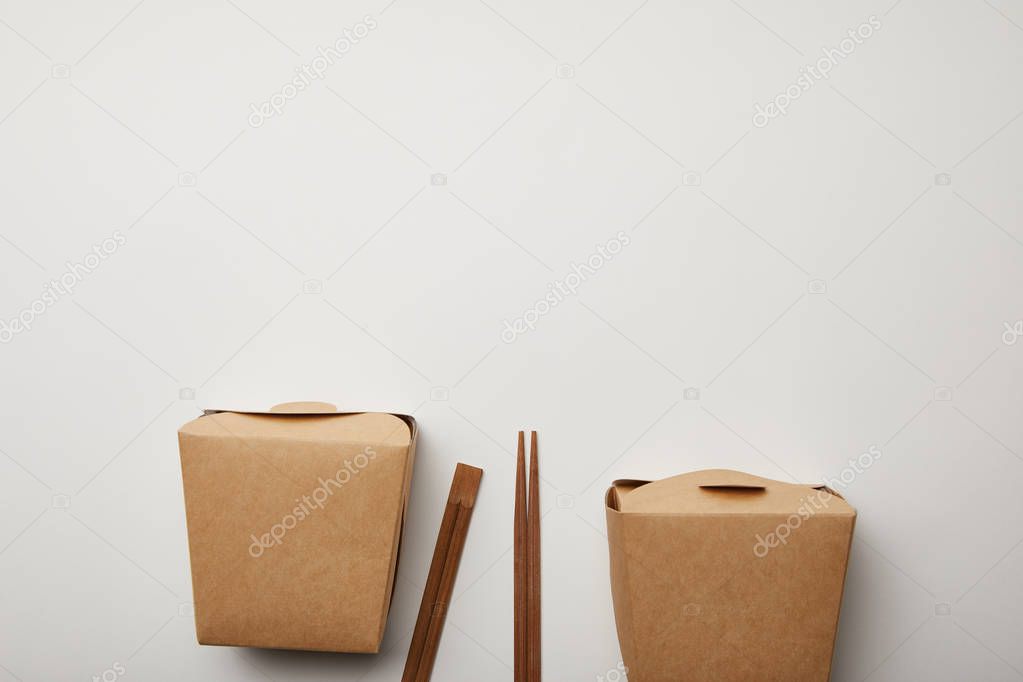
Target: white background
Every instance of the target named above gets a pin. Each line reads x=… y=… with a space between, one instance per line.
x=366 y=246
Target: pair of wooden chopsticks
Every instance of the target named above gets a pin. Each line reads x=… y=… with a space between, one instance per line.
x=440 y=582
x=527 y=564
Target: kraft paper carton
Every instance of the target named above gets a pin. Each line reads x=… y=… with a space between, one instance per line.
x=719 y=575
x=294 y=520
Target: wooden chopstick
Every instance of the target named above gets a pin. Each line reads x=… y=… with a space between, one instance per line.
x=533 y=557
x=527 y=563
x=440 y=581
x=521 y=562
x=440 y=555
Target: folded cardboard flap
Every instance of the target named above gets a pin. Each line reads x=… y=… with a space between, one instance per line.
x=310 y=421
x=721 y=491
x=731 y=486
x=619 y=488
x=726 y=478
x=295 y=517
x=304 y=408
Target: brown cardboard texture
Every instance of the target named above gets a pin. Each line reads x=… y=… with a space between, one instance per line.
x=719 y=575
x=294 y=521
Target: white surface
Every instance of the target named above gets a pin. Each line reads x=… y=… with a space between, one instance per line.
x=651 y=134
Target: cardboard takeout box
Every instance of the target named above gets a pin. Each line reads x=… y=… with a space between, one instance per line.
x=718 y=575
x=294 y=521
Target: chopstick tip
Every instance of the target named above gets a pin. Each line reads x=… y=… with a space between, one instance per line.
x=468 y=482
